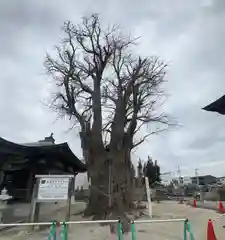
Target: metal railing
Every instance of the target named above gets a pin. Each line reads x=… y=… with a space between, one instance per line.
x=64 y=229
x=88 y=222
x=161 y=221
x=50 y=223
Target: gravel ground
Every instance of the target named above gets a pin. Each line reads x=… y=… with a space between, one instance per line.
x=155 y=231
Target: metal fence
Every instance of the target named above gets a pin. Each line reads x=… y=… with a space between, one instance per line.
x=119 y=229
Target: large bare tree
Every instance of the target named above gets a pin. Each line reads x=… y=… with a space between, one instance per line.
x=110 y=92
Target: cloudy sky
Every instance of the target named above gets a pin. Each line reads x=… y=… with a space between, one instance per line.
x=188 y=35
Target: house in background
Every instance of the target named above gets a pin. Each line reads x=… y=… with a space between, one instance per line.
x=204 y=180
x=221 y=180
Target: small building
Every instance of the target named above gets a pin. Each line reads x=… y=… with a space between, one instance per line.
x=204 y=180
x=19 y=163
x=221 y=180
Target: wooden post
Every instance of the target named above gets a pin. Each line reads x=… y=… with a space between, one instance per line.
x=35 y=207
x=73 y=190
x=68 y=207
x=30 y=185
x=36 y=212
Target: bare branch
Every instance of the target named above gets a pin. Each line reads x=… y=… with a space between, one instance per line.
x=101 y=82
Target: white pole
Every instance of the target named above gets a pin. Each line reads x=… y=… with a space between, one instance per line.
x=148 y=197
x=89 y=222
x=196 y=175
x=50 y=223
x=179 y=175
x=161 y=220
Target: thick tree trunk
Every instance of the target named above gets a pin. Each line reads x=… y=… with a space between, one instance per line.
x=122 y=185
x=111 y=188
x=110 y=193
x=98 y=199
x=98 y=191
x=121 y=197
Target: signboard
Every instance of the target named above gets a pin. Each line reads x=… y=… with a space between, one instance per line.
x=53 y=188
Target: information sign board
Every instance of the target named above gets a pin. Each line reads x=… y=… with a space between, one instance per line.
x=53 y=188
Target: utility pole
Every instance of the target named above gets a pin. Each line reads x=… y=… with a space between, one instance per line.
x=198 y=185
x=196 y=175
x=181 y=193
x=179 y=175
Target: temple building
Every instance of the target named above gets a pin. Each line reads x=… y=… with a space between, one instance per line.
x=217 y=106
x=19 y=163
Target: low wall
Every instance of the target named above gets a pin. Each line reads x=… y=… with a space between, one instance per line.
x=211 y=196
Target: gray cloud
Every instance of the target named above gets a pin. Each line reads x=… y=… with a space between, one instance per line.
x=189 y=35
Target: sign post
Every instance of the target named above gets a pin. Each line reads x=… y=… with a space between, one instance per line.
x=51 y=188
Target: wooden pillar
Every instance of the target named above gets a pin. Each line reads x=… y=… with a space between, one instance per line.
x=2 y=174
x=35 y=206
x=30 y=185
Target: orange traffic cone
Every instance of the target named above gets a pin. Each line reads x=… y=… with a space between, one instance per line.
x=221 y=208
x=210 y=231
x=194 y=203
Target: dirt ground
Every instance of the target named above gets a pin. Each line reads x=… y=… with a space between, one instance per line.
x=155 y=231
